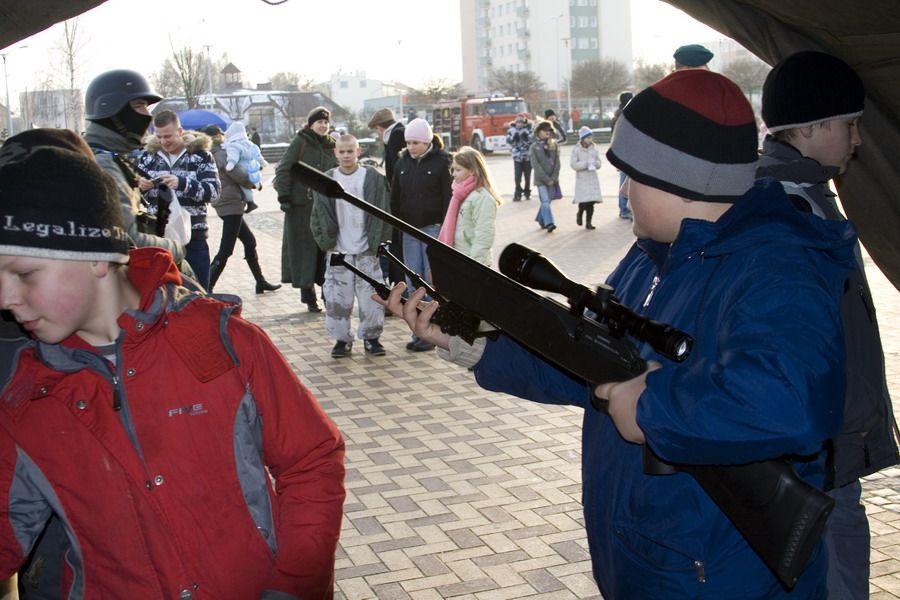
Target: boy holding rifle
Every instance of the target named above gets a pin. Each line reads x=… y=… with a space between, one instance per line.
x=756 y=283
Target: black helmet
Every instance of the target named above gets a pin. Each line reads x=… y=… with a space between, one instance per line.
x=109 y=92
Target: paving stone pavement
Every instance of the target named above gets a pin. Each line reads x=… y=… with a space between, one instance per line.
x=456 y=492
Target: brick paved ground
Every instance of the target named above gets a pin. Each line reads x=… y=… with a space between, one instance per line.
x=455 y=492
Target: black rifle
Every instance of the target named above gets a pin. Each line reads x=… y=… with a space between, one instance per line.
x=779 y=514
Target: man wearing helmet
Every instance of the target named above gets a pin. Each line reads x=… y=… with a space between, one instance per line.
x=117 y=110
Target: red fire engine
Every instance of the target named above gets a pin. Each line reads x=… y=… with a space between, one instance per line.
x=478 y=122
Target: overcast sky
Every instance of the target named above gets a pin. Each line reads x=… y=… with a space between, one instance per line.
x=411 y=42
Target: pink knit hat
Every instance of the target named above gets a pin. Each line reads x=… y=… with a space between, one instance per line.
x=418 y=130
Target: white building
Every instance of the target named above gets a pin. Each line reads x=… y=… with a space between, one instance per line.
x=548 y=37
x=351 y=90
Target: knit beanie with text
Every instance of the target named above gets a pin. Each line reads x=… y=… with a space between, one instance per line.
x=692 y=134
x=59 y=204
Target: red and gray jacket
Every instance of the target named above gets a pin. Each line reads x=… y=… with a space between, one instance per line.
x=196 y=466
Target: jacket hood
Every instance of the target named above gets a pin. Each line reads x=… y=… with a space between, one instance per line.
x=235 y=131
x=149 y=269
x=762 y=214
x=194 y=141
x=785 y=163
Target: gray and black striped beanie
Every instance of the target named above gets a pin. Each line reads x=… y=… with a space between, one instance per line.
x=692 y=134
x=56 y=203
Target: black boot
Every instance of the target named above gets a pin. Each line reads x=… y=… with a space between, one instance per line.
x=215 y=270
x=308 y=297
x=261 y=284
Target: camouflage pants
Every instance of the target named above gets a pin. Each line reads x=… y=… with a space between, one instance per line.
x=341 y=287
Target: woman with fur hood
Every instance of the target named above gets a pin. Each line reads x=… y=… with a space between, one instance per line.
x=180 y=161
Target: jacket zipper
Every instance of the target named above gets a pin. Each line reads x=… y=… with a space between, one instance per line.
x=650 y=293
x=117 y=394
x=701 y=571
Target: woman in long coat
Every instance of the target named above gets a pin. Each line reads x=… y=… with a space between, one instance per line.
x=302 y=263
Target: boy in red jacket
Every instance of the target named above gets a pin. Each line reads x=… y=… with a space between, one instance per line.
x=169 y=437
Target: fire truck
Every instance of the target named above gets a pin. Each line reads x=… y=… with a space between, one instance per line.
x=481 y=123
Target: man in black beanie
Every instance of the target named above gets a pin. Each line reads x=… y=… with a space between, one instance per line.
x=812 y=103
x=117 y=111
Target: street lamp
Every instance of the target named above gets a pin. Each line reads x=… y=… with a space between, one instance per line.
x=209 y=75
x=558 y=101
x=399 y=91
x=9 y=124
x=569 y=78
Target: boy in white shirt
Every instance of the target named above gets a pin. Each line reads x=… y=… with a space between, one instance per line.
x=339 y=227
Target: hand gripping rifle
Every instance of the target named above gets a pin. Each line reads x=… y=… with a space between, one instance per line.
x=778 y=513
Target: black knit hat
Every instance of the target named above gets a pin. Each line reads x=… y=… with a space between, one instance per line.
x=808 y=88
x=692 y=134
x=55 y=203
x=317 y=114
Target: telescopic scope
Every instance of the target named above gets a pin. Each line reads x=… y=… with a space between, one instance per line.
x=531 y=269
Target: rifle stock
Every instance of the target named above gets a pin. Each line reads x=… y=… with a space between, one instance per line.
x=779 y=514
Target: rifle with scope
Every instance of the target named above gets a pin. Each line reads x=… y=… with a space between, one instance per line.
x=779 y=514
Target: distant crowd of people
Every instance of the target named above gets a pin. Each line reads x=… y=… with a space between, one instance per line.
x=154 y=443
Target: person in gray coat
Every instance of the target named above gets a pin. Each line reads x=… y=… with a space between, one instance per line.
x=230 y=205
x=545 y=166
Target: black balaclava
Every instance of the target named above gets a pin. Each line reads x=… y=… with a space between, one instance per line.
x=129 y=123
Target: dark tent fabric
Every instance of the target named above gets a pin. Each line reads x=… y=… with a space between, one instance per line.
x=22 y=18
x=866 y=34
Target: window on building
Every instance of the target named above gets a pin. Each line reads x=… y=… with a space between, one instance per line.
x=582 y=21
x=363 y=83
x=594 y=43
x=345 y=84
x=593 y=22
x=583 y=43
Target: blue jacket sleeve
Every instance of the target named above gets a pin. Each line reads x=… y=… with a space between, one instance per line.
x=507 y=366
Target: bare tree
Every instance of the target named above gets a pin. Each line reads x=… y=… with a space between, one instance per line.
x=599 y=78
x=440 y=89
x=70 y=46
x=748 y=73
x=291 y=81
x=525 y=84
x=646 y=75
x=193 y=74
x=166 y=81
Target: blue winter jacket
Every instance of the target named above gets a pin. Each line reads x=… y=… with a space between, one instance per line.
x=758 y=290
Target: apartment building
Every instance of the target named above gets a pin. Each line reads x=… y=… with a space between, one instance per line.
x=548 y=37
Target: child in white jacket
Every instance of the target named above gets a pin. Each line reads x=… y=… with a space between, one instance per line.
x=241 y=151
x=585 y=161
